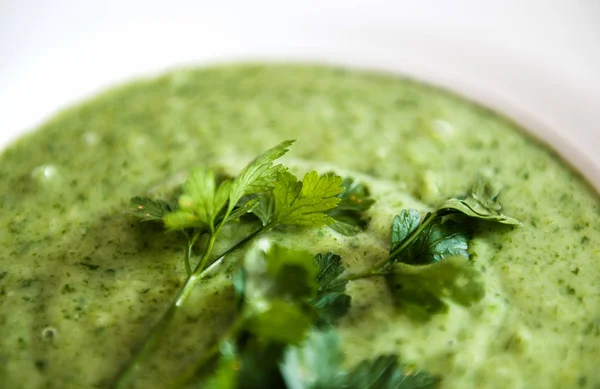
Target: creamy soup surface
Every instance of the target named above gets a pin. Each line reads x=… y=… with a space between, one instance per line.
x=82 y=282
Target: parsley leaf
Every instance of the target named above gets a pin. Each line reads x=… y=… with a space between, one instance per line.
x=329 y=269
x=404 y=225
x=260 y=174
x=247 y=364
x=384 y=372
x=436 y=241
x=259 y=365
x=303 y=203
x=272 y=290
x=482 y=203
x=425 y=289
x=265 y=208
x=203 y=199
x=180 y=220
x=331 y=300
x=278 y=321
x=202 y=196
x=242 y=209
x=150 y=210
x=292 y=271
x=317 y=364
x=201 y=202
x=278 y=272
x=277 y=282
x=354 y=201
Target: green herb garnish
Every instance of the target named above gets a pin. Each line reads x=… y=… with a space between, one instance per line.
x=274 y=341
x=331 y=298
x=317 y=364
x=424 y=290
x=481 y=203
x=288 y=301
x=434 y=243
x=150 y=210
x=206 y=206
x=428 y=259
x=305 y=202
x=278 y=290
x=349 y=214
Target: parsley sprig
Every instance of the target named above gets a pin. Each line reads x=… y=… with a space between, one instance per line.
x=355 y=200
x=206 y=206
x=282 y=294
x=278 y=339
x=288 y=301
x=428 y=259
x=318 y=364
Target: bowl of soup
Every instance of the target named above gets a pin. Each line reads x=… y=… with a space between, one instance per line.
x=82 y=283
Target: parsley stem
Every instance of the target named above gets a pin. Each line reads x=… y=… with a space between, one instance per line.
x=191 y=241
x=211 y=242
x=159 y=328
x=188 y=255
x=233 y=248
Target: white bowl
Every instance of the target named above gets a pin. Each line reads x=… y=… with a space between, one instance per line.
x=536 y=64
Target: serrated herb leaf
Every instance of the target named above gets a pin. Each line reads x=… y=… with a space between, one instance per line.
x=331 y=308
x=259 y=365
x=202 y=200
x=279 y=272
x=260 y=174
x=330 y=267
x=316 y=364
x=481 y=203
x=404 y=225
x=150 y=210
x=437 y=241
x=331 y=301
x=249 y=364
x=272 y=290
x=304 y=203
x=355 y=197
x=384 y=372
x=292 y=271
x=243 y=209
x=427 y=288
x=265 y=208
x=279 y=321
x=349 y=214
x=180 y=220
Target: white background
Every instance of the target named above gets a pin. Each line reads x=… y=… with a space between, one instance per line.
x=537 y=61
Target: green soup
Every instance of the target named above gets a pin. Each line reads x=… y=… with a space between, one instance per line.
x=81 y=282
